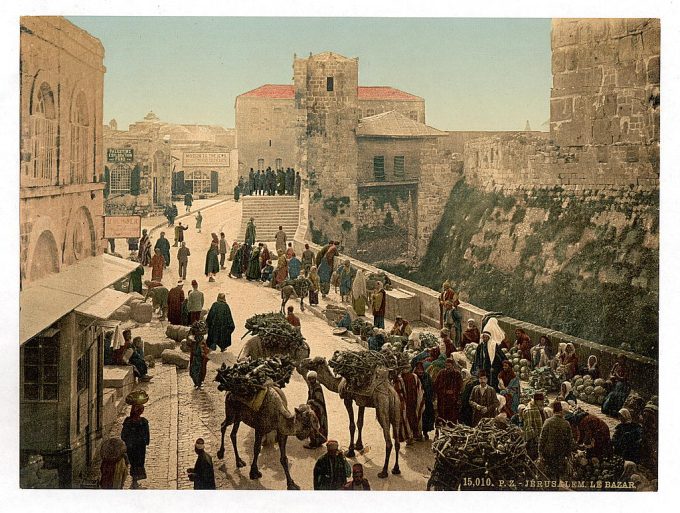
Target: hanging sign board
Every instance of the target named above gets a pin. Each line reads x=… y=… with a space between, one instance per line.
x=122 y=227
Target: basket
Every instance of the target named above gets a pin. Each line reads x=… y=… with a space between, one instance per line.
x=137 y=397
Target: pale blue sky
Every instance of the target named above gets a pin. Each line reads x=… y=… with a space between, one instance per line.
x=475 y=74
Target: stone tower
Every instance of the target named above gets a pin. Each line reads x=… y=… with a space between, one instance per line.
x=326 y=103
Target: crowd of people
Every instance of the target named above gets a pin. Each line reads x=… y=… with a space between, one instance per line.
x=434 y=387
x=269 y=182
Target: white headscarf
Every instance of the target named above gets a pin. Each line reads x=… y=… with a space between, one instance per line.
x=359 y=286
x=497 y=334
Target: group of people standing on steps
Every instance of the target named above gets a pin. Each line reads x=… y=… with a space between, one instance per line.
x=270 y=183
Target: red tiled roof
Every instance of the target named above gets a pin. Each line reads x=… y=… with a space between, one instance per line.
x=384 y=93
x=287 y=92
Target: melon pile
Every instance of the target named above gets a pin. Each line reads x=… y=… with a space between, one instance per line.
x=589 y=390
x=521 y=366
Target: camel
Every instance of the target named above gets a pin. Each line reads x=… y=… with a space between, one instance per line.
x=273 y=415
x=253 y=348
x=382 y=397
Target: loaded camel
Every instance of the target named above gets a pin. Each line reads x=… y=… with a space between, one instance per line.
x=271 y=416
x=254 y=349
x=380 y=396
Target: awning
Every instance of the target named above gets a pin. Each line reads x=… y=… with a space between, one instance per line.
x=45 y=301
x=103 y=304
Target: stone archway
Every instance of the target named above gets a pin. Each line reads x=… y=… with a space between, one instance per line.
x=80 y=240
x=45 y=257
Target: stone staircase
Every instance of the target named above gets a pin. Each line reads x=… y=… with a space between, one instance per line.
x=270 y=212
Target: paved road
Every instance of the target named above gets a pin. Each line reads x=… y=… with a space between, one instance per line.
x=179 y=414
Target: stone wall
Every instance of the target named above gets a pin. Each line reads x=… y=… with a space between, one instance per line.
x=61 y=92
x=265 y=130
x=584 y=263
x=326 y=146
x=606 y=76
x=454 y=141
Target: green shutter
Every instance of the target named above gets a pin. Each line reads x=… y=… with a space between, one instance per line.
x=214 y=180
x=135 y=178
x=107 y=180
x=180 y=182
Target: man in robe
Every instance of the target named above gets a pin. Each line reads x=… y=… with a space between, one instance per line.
x=294 y=267
x=448 y=385
x=316 y=400
x=281 y=273
x=188 y=201
x=556 y=443
x=250 y=231
x=470 y=335
x=203 y=474
x=157 y=265
x=378 y=302
x=326 y=268
x=237 y=263
x=136 y=280
x=245 y=259
x=164 y=245
x=144 y=253
x=220 y=324
x=483 y=400
x=428 y=399
x=489 y=357
x=290 y=251
x=533 y=418
x=447 y=299
x=592 y=433
x=307 y=259
x=194 y=303
x=293 y=319
x=212 y=265
x=179 y=233
x=523 y=343
x=175 y=300
x=359 y=293
x=264 y=256
x=253 y=272
x=345 y=276
x=183 y=254
x=222 y=250
x=401 y=328
x=407 y=386
x=446 y=344
x=331 y=469
x=280 y=239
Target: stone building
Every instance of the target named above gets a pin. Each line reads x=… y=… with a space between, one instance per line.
x=577 y=211
x=370 y=163
x=63 y=269
x=265 y=121
x=154 y=160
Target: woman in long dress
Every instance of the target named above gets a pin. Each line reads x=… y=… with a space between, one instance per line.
x=325 y=269
x=315 y=286
x=135 y=434
x=253 y=272
x=212 y=263
x=281 y=273
x=198 y=359
x=359 y=293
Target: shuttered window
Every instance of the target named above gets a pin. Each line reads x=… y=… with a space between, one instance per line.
x=399 y=166
x=379 y=168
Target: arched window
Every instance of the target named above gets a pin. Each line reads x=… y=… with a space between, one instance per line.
x=119 y=181
x=43 y=133
x=81 y=134
x=200 y=181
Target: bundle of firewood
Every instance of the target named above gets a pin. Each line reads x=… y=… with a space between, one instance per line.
x=358 y=367
x=246 y=378
x=489 y=456
x=274 y=331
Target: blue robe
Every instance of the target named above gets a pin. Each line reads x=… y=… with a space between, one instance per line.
x=294 y=268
